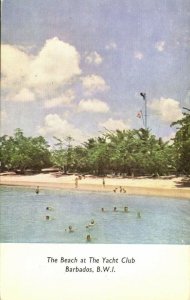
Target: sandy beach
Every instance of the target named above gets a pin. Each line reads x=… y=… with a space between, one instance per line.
x=138 y=186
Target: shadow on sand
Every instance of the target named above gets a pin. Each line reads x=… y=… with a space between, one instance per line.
x=185 y=182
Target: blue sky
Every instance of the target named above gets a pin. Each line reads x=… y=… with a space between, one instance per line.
x=73 y=67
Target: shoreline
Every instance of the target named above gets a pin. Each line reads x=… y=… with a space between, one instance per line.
x=174 y=192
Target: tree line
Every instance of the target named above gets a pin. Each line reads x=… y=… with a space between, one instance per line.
x=128 y=152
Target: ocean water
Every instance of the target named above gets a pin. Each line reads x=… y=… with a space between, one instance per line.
x=23 y=217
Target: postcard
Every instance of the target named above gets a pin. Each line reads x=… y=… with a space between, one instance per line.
x=95 y=144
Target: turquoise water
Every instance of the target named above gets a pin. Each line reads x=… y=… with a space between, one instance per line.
x=23 y=217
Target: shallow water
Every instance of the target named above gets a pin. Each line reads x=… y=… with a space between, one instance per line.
x=23 y=217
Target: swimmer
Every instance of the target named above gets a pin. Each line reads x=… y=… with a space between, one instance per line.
x=47 y=217
x=49 y=208
x=37 y=190
x=88 y=238
x=92 y=223
x=138 y=215
x=115 y=208
x=102 y=209
x=125 y=209
x=71 y=228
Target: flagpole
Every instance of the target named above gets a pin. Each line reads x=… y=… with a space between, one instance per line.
x=145 y=103
x=145 y=108
x=142 y=118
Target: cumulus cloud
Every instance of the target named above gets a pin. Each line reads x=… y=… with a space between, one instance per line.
x=111 y=46
x=54 y=125
x=93 y=58
x=160 y=46
x=15 y=65
x=167 y=109
x=93 y=105
x=63 y=99
x=112 y=124
x=94 y=83
x=56 y=64
x=138 y=55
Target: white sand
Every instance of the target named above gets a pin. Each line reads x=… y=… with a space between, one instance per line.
x=141 y=185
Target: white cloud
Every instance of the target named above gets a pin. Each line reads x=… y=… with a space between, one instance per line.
x=94 y=83
x=54 y=125
x=138 y=55
x=112 y=124
x=93 y=105
x=24 y=95
x=94 y=58
x=63 y=99
x=15 y=65
x=56 y=64
x=160 y=46
x=168 y=109
x=111 y=46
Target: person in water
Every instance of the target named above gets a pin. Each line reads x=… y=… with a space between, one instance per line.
x=138 y=215
x=49 y=208
x=47 y=218
x=37 y=190
x=92 y=223
x=71 y=228
x=88 y=238
x=102 y=209
x=126 y=209
x=115 y=208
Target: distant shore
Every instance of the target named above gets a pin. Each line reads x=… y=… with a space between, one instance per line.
x=136 y=186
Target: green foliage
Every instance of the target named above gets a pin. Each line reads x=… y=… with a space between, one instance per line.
x=138 y=152
x=63 y=156
x=127 y=152
x=182 y=144
x=20 y=152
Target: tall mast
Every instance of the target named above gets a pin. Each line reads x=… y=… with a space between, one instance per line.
x=145 y=108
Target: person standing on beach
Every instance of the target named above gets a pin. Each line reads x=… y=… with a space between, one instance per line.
x=103 y=182
x=76 y=182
